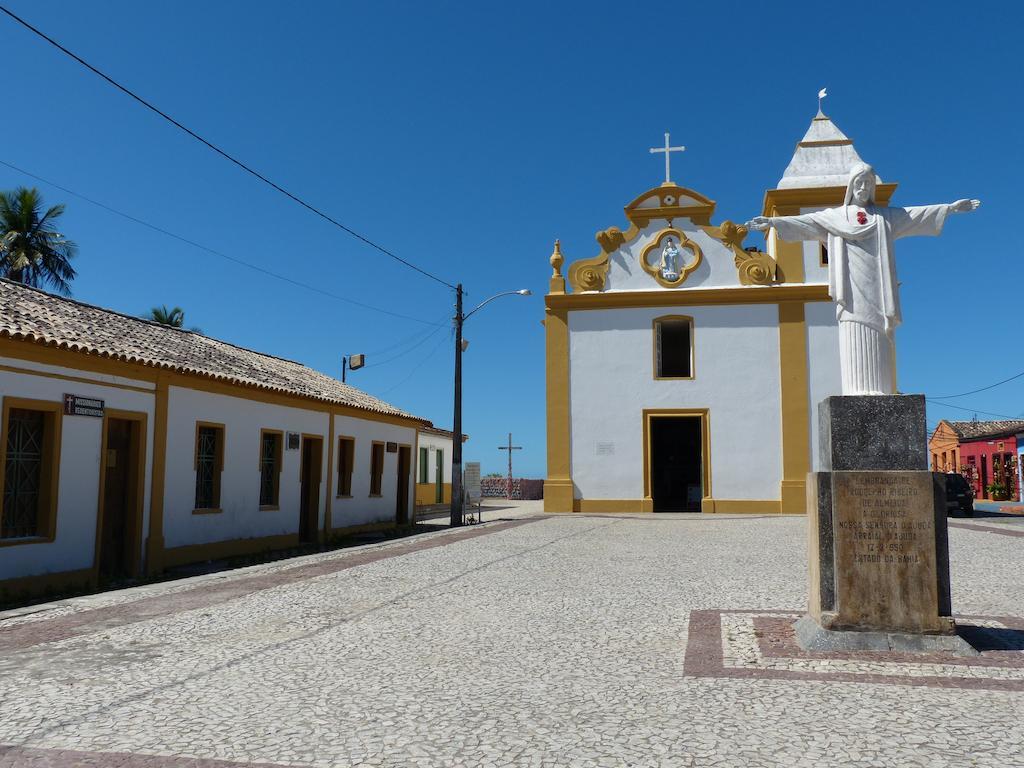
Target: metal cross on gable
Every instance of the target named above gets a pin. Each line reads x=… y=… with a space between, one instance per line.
x=667 y=150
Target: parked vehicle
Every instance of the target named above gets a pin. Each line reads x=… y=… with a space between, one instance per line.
x=959 y=495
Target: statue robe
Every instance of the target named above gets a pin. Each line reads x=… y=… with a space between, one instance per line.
x=862 y=281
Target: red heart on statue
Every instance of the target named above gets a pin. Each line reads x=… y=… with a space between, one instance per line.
x=862 y=218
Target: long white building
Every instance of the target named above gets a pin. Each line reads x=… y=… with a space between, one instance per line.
x=683 y=368
x=129 y=446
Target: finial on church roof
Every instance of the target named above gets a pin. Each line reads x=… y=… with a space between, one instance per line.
x=557 y=281
x=823 y=157
x=556 y=259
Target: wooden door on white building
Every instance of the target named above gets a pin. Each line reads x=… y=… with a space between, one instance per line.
x=309 y=499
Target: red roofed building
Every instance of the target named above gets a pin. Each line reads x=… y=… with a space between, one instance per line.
x=985 y=452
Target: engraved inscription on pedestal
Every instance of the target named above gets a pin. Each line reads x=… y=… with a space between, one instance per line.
x=886 y=567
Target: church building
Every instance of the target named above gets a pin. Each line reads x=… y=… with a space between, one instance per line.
x=684 y=367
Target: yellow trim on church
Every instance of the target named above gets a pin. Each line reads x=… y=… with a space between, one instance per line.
x=691 y=297
x=794 y=370
x=558 y=487
x=704 y=415
x=796 y=416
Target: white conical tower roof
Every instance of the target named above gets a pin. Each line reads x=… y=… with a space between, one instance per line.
x=823 y=158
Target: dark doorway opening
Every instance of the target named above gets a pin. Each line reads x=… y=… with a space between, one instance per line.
x=309 y=489
x=984 y=477
x=121 y=511
x=404 y=470
x=676 y=463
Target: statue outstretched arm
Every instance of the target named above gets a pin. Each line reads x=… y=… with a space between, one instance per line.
x=964 y=206
x=803 y=227
x=926 y=219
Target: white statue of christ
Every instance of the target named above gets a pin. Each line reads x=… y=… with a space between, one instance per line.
x=862 y=271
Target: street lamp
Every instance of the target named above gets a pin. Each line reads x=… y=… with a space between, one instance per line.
x=351 y=363
x=456 y=509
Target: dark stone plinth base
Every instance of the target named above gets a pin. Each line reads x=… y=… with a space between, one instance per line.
x=878 y=548
x=878 y=556
x=872 y=432
x=812 y=637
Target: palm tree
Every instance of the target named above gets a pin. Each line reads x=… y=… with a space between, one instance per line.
x=32 y=251
x=173 y=317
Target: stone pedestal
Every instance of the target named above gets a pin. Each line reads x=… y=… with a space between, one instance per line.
x=878 y=549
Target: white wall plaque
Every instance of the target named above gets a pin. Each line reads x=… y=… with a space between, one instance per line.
x=472 y=481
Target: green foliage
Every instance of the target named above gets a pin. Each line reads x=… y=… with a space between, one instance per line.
x=32 y=251
x=998 y=491
x=173 y=317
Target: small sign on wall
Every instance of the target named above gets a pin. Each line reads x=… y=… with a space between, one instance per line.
x=391 y=447
x=76 y=405
x=605 y=449
x=293 y=442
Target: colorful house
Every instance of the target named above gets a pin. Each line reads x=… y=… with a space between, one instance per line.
x=985 y=452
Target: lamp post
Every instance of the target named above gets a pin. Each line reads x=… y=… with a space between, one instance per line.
x=457 y=500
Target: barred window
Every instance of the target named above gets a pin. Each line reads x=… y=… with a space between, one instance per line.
x=23 y=474
x=270 y=468
x=209 y=463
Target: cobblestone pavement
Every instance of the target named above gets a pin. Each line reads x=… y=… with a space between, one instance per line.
x=534 y=641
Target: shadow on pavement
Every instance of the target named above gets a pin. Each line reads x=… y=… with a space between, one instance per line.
x=999 y=510
x=992 y=638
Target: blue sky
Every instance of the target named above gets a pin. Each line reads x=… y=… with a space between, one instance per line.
x=467 y=137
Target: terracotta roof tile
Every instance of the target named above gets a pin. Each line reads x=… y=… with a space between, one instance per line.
x=34 y=315
x=442 y=433
x=970 y=430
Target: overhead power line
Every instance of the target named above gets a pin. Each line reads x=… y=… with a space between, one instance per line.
x=207 y=249
x=406 y=341
x=248 y=169
x=399 y=355
x=416 y=367
x=974 y=410
x=982 y=389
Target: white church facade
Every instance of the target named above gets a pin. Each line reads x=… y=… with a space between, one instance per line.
x=684 y=368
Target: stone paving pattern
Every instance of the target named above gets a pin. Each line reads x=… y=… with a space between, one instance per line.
x=555 y=642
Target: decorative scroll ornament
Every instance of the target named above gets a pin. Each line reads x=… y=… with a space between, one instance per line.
x=611 y=239
x=591 y=274
x=665 y=260
x=665 y=203
x=590 y=277
x=754 y=267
